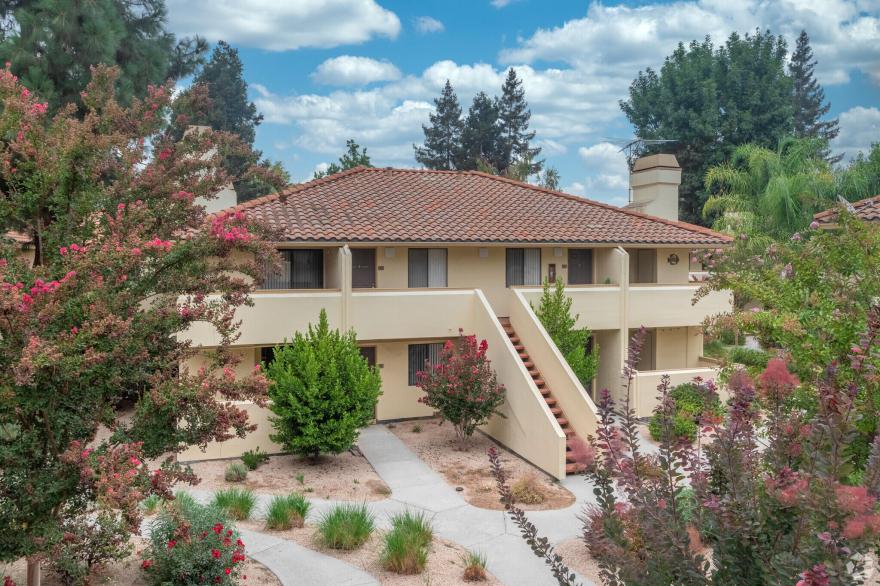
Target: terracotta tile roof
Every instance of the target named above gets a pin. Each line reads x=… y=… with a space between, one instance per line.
x=412 y=205
x=18 y=237
x=866 y=209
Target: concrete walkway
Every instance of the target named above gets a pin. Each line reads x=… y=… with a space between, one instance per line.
x=414 y=486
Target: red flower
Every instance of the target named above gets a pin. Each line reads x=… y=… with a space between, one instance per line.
x=228 y=571
x=146 y=564
x=218 y=528
x=215 y=553
x=171 y=544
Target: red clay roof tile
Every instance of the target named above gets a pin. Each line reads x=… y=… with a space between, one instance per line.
x=415 y=205
x=866 y=209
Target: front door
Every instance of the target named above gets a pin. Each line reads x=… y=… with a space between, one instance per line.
x=363 y=268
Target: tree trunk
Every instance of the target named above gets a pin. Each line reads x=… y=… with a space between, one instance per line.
x=33 y=571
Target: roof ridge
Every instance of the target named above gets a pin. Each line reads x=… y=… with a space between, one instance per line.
x=588 y=201
x=290 y=189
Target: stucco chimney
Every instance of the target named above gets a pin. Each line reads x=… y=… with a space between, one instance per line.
x=654 y=183
x=226 y=197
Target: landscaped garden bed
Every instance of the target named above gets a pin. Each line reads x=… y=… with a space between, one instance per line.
x=438 y=446
x=129 y=571
x=346 y=476
x=445 y=563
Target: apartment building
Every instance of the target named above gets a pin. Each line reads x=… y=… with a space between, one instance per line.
x=407 y=257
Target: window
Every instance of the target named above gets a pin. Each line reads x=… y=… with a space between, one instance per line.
x=369 y=354
x=427 y=267
x=523 y=266
x=580 y=266
x=300 y=269
x=419 y=355
x=267 y=354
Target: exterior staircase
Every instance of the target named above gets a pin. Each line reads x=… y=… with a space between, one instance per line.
x=571 y=467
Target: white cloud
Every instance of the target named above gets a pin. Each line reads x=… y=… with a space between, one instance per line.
x=501 y=3
x=859 y=128
x=427 y=24
x=607 y=175
x=283 y=26
x=617 y=41
x=351 y=70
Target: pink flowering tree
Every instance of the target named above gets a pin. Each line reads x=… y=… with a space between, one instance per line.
x=462 y=386
x=123 y=263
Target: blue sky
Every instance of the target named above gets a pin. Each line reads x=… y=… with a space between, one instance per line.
x=323 y=71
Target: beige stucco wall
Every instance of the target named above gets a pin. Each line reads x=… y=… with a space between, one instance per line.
x=668 y=273
x=398 y=399
x=610 y=361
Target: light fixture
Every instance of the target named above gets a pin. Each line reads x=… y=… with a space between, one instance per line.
x=672 y=259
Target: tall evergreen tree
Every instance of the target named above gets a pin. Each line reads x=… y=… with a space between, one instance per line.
x=513 y=117
x=481 y=136
x=52 y=44
x=442 y=148
x=808 y=97
x=709 y=101
x=354 y=156
x=227 y=109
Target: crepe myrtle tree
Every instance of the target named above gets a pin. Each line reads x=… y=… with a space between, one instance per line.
x=323 y=391
x=124 y=263
x=462 y=386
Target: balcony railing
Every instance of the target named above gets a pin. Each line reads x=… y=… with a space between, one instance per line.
x=644 y=392
x=655 y=306
x=598 y=306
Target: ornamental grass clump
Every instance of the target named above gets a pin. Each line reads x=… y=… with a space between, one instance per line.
x=462 y=386
x=406 y=545
x=193 y=544
x=345 y=527
x=474 y=566
x=235 y=472
x=255 y=458
x=238 y=503
x=287 y=511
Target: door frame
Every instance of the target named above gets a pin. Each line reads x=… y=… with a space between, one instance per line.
x=375 y=267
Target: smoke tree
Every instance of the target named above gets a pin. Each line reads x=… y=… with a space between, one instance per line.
x=124 y=262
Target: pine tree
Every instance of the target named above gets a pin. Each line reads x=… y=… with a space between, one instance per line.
x=442 y=148
x=52 y=44
x=808 y=97
x=513 y=117
x=228 y=109
x=481 y=136
x=354 y=156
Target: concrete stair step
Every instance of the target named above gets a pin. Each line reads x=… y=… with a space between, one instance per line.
x=556 y=411
x=528 y=363
x=514 y=339
x=544 y=391
x=574 y=468
x=562 y=421
x=524 y=355
x=550 y=401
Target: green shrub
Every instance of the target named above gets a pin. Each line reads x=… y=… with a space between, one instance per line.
x=286 y=511
x=554 y=313
x=474 y=566
x=212 y=549
x=345 y=526
x=417 y=428
x=238 y=503
x=182 y=500
x=715 y=349
x=406 y=545
x=691 y=401
x=253 y=459
x=235 y=472
x=749 y=357
x=90 y=541
x=322 y=390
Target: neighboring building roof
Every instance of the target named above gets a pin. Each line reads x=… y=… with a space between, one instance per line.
x=416 y=205
x=866 y=209
x=18 y=237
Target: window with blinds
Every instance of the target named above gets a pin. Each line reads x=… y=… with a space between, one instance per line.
x=523 y=266
x=427 y=267
x=300 y=269
x=580 y=266
x=421 y=355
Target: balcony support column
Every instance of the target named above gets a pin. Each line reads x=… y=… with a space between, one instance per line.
x=344 y=265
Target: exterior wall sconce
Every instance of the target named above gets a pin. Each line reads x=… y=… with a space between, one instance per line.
x=484 y=253
x=390 y=252
x=672 y=259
